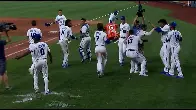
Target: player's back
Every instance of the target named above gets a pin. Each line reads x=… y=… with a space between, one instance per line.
x=132 y=42
x=41 y=50
x=31 y=32
x=174 y=37
x=100 y=38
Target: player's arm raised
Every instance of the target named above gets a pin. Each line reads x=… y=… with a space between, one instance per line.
x=134 y=20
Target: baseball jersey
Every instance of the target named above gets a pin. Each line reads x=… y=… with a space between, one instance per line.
x=173 y=37
x=164 y=34
x=60 y=20
x=124 y=28
x=100 y=38
x=85 y=29
x=39 y=50
x=31 y=32
x=111 y=30
x=112 y=17
x=65 y=33
x=132 y=42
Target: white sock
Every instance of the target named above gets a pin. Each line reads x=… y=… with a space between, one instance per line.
x=35 y=77
x=46 y=84
x=99 y=61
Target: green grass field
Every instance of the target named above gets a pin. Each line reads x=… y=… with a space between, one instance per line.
x=79 y=85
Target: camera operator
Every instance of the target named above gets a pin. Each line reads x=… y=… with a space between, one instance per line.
x=3 y=74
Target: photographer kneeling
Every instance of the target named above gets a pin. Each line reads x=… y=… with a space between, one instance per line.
x=4 y=27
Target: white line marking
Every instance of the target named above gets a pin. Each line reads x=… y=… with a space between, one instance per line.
x=75 y=25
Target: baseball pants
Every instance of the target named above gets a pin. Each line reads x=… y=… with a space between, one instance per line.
x=2 y=66
x=101 y=59
x=175 y=60
x=65 y=50
x=85 y=44
x=164 y=54
x=41 y=65
x=121 y=49
x=136 y=58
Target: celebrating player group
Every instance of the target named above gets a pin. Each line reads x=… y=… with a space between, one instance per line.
x=130 y=39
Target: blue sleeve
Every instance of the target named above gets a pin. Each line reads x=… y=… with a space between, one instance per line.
x=158 y=29
x=107 y=41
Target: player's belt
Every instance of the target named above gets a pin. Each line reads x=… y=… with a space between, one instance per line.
x=123 y=37
x=131 y=50
x=99 y=45
x=41 y=59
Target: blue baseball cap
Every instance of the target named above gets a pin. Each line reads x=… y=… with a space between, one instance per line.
x=173 y=24
x=122 y=18
x=36 y=36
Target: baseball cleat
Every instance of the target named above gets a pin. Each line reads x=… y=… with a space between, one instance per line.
x=47 y=92
x=136 y=71
x=8 y=88
x=163 y=72
x=65 y=65
x=37 y=91
x=180 y=77
x=131 y=71
x=143 y=74
x=169 y=74
x=121 y=64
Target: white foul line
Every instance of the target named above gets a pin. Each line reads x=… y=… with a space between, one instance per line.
x=73 y=26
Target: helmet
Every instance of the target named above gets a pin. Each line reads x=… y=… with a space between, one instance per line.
x=173 y=24
x=122 y=18
x=36 y=36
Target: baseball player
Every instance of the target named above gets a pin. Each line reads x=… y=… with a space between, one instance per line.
x=3 y=73
x=165 y=49
x=124 y=29
x=60 y=20
x=132 y=52
x=175 y=37
x=136 y=26
x=85 y=41
x=30 y=33
x=65 y=35
x=40 y=51
x=113 y=17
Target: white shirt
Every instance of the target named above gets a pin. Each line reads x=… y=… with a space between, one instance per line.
x=173 y=37
x=112 y=17
x=132 y=42
x=39 y=50
x=65 y=33
x=31 y=32
x=124 y=28
x=100 y=38
x=60 y=20
x=164 y=34
x=85 y=30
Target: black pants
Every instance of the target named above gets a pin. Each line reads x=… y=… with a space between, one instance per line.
x=2 y=66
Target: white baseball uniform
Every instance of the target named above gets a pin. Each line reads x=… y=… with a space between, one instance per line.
x=124 y=29
x=85 y=42
x=165 y=49
x=100 y=38
x=65 y=33
x=173 y=37
x=133 y=53
x=39 y=52
x=112 y=18
x=30 y=33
